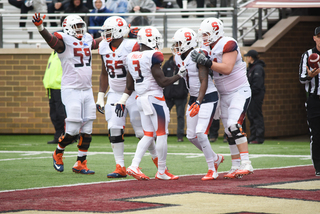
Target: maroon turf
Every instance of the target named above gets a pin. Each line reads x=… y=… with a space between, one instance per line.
x=111 y=197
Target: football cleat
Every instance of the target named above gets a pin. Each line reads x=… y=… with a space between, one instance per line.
x=136 y=173
x=166 y=176
x=57 y=161
x=232 y=172
x=81 y=168
x=245 y=169
x=211 y=175
x=120 y=172
x=155 y=161
x=218 y=161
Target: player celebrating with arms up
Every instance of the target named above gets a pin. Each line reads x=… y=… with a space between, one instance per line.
x=203 y=100
x=229 y=73
x=74 y=50
x=147 y=79
x=114 y=50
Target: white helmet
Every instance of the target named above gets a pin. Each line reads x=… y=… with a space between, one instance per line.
x=73 y=25
x=211 y=29
x=184 y=39
x=114 y=27
x=151 y=37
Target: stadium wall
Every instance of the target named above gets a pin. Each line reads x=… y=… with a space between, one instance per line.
x=24 y=106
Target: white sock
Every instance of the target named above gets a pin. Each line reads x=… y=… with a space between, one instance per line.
x=195 y=142
x=162 y=150
x=118 y=149
x=209 y=154
x=142 y=147
x=244 y=156
x=152 y=150
x=236 y=162
x=82 y=153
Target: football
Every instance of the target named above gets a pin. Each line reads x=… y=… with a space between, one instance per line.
x=314 y=61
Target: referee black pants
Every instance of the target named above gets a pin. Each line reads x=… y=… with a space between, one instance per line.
x=57 y=112
x=255 y=117
x=313 y=111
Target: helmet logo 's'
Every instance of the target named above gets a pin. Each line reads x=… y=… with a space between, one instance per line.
x=215 y=25
x=120 y=23
x=188 y=36
x=148 y=32
x=64 y=22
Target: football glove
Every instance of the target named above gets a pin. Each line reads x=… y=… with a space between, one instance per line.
x=182 y=71
x=121 y=105
x=194 y=108
x=133 y=32
x=38 y=21
x=201 y=58
x=120 y=109
x=100 y=102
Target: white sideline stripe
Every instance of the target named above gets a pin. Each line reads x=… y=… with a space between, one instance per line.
x=189 y=155
x=125 y=180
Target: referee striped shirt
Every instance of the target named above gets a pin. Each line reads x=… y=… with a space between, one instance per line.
x=311 y=84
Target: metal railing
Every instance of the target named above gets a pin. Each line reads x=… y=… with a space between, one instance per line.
x=168 y=17
x=259 y=23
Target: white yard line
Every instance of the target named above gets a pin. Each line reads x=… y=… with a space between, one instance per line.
x=72 y=154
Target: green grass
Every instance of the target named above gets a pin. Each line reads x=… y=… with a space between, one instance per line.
x=30 y=170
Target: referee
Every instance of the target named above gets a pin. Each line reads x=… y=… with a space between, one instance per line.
x=310 y=78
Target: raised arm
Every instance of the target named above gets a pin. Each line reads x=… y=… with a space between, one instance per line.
x=53 y=41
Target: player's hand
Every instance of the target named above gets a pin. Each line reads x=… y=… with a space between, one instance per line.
x=100 y=102
x=194 y=108
x=38 y=21
x=182 y=71
x=133 y=32
x=201 y=58
x=120 y=109
x=121 y=105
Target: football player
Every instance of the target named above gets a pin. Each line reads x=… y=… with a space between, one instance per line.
x=147 y=79
x=114 y=50
x=74 y=50
x=229 y=73
x=203 y=98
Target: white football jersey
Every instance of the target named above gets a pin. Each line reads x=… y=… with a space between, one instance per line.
x=115 y=62
x=192 y=77
x=139 y=65
x=76 y=61
x=238 y=76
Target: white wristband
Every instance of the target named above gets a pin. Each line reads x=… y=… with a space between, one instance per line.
x=40 y=27
x=100 y=96
x=123 y=99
